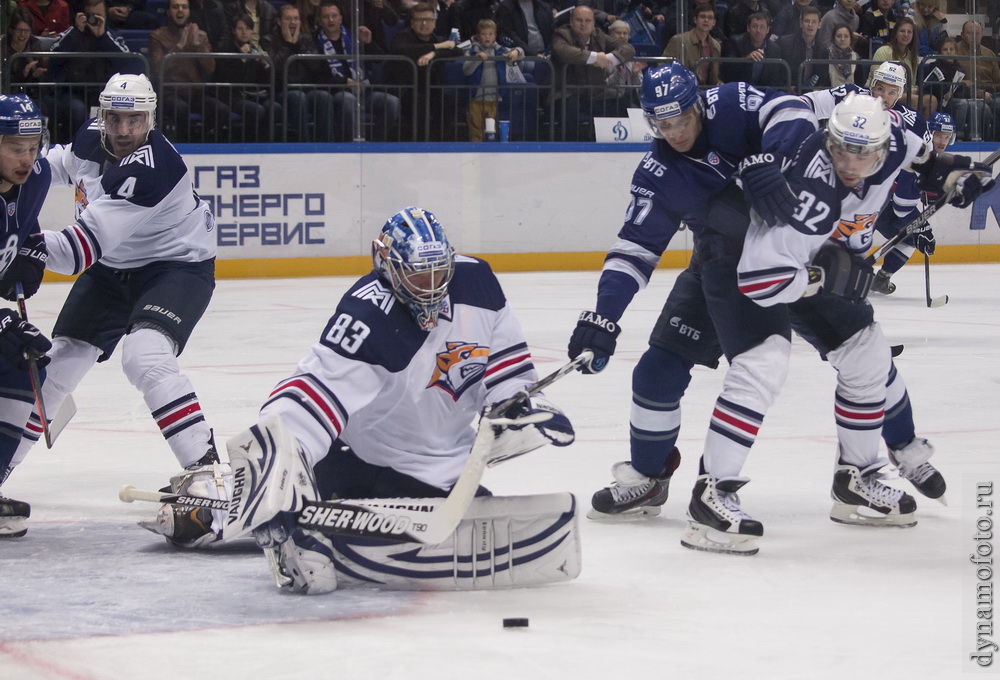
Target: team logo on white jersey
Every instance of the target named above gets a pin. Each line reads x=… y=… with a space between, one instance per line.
x=376 y=293
x=143 y=156
x=820 y=167
x=459 y=367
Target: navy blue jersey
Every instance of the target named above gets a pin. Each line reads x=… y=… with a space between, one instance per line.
x=21 y=206
x=669 y=187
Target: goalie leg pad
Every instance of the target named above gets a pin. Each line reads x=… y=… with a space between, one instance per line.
x=270 y=475
x=306 y=563
x=503 y=542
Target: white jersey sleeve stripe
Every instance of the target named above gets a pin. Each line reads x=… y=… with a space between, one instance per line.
x=309 y=394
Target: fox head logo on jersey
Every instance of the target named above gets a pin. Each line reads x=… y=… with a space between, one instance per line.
x=459 y=367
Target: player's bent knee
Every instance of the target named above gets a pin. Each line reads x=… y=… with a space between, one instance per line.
x=761 y=370
x=661 y=375
x=863 y=360
x=148 y=357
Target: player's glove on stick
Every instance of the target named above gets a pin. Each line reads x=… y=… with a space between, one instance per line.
x=944 y=172
x=923 y=240
x=598 y=334
x=18 y=338
x=765 y=188
x=836 y=272
x=27 y=268
x=557 y=428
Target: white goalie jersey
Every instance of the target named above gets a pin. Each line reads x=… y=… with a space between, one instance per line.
x=129 y=213
x=397 y=395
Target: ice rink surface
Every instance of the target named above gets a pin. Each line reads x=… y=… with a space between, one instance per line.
x=87 y=595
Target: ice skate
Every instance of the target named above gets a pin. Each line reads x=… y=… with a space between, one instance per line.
x=186 y=526
x=716 y=522
x=13 y=517
x=633 y=495
x=911 y=460
x=304 y=563
x=882 y=284
x=859 y=498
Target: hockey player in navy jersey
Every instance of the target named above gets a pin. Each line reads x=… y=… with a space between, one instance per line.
x=143 y=243
x=24 y=183
x=843 y=178
x=382 y=404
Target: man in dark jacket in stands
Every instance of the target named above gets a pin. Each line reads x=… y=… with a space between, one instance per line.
x=529 y=31
x=753 y=46
x=802 y=45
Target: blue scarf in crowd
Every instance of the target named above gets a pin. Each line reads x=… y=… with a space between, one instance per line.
x=337 y=65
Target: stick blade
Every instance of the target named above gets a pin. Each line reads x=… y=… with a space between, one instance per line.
x=938 y=301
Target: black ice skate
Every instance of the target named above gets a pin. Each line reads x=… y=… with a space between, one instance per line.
x=859 y=498
x=911 y=460
x=716 y=522
x=634 y=495
x=13 y=517
x=882 y=284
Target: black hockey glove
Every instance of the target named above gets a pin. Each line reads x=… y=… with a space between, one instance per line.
x=836 y=272
x=923 y=240
x=599 y=335
x=27 y=268
x=969 y=187
x=943 y=172
x=765 y=188
x=19 y=338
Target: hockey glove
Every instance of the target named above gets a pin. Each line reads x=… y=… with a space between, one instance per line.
x=599 y=335
x=923 y=240
x=765 y=188
x=968 y=187
x=557 y=429
x=836 y=272
x=20 y=340
x=944 y=172
x=27 y=268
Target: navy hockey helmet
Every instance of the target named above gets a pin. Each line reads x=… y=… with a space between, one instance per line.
x=21 y=117
x=413 y=256
x=942 y=122
x=668 y=91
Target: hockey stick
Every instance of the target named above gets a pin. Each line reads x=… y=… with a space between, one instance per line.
x=36 y=381
x=931 y=302
x=424 y=522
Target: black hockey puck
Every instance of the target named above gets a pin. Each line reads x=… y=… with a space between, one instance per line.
x=515 y=623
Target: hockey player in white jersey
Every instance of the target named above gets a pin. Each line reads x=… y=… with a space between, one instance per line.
x=382 y=404
x=843 y=178
x=143 y=243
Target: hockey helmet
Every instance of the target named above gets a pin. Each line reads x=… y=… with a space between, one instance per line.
x=893 y=75
x=127 y=92
x=668 y=91
x=858 y=135
x=413 y=256
x=942 y=122
x=21 y=117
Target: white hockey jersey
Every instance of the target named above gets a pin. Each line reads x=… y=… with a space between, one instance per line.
x=772 y=269
x=403 y=397
x=131 y=212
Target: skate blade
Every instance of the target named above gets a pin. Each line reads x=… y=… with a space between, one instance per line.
x=862 y=516
x=702 y=537
x=13 y=527
x=627 y=516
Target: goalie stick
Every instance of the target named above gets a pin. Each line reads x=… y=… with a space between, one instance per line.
x=396 y=519
x=931 y=301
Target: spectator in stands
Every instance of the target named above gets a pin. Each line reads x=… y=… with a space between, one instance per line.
x=261 y=11
x=876 y=23
x=20 y=39
x=627 y=77
x=605 y=12
x=444 y=10
x=789 y=18
x=844 y=71
x=308 y=14
x=489 y=77
x=421 y=46
x=691 y=46
x=377 y=15
x=187 y=76
x=334 y=39
x=987 y=72
x=929 y=21
x=69 y=104
x=210 y=16
x=581 y=54
x=844 y=13
x=309 y=109
x=48 y=17
x=252 y=98
x=799 y=47
x=130 y=15
x=753 y=46
x=943 y=78
x=901 y=48
x=527 y=25
x=738 y=18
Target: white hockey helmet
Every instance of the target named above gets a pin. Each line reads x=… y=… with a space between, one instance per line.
x=892 y=74
x=858 y=135
x=128 y=92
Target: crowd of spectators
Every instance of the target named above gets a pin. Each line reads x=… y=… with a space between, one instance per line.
x=237 y=70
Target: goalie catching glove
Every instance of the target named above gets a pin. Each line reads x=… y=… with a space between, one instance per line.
x=765 y=188
x=543 y=424
x=597 y=333
x=945 y=172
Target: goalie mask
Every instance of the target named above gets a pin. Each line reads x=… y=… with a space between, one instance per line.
x=127 y=113
x=857 y=137
x=671 y=105
x=412 y=255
